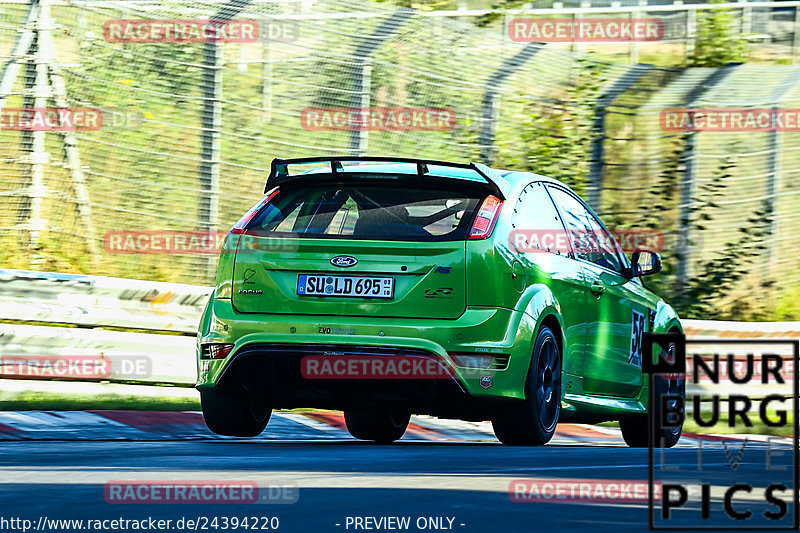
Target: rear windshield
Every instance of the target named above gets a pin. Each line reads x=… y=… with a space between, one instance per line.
x=382 y=213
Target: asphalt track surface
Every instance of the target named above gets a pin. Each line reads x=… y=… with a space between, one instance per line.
x=336 y=478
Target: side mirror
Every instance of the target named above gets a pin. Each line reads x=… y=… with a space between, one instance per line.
x=645 y=262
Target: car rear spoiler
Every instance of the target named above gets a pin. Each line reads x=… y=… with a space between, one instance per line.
x=279 y=170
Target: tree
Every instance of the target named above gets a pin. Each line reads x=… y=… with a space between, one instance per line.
x=717 y=43
x=556 y=136
x=718 y=289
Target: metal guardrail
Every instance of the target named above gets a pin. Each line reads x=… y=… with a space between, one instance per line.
x=90 y=303
x=724 y=335
x=82 y=305
x=80 y=354
x=96 y=301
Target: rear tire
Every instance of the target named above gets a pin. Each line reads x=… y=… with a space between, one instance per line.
x=635 y=428
x=533 y=421
x=381 y=425
x=232 y=412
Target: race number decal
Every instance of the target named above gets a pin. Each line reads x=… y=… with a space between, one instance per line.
x=637 y=328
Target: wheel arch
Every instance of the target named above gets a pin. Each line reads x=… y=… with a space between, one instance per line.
x=544 y=310
x=554 y=324
x=666 y=318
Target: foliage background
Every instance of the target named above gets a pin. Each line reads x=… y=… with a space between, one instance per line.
x=738 y=228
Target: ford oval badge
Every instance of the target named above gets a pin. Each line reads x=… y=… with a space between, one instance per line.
x=344 y=261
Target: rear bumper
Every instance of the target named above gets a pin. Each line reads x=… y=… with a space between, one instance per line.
x=282 y=341
x=275 y=372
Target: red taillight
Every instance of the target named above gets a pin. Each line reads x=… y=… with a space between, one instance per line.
x=216 y=351
x=242 y=223
x=486 y=219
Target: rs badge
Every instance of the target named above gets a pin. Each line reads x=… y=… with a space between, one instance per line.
x=486 y=381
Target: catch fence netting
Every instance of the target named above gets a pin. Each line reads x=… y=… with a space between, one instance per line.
x=189 y=129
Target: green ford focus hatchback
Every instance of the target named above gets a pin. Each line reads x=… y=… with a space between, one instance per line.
x=386 y=287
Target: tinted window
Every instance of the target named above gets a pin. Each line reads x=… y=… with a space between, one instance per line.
x=537 y=226
x=367 y=212
x=591 y=242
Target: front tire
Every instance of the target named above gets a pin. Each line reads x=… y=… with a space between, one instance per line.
x=533 y=421
x=232 y=412
x=381 y=425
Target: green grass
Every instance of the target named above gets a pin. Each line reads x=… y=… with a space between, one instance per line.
x=48 y=401
x=107 y=328
x=758 y=428
x=51 y=401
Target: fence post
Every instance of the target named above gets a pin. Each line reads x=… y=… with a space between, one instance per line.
x=366 y=98
x=747 y=17
x=507 y=42
x=627 y=80
x=635 y=45
x=18 y=55
x=488 y=122
x=684 y=270
x=362 y=53
x=775 y=175
x=266 y=74
x=211 y=123
x=489 y=101
x=72 y=154
x=577 y=45
x=691 y=31
x=796 y=36
x=37 y=92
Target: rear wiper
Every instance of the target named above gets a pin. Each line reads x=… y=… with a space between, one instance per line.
x=376 y=204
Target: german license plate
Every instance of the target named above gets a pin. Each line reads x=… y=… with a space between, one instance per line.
x=349 y=286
